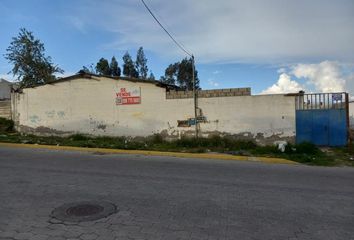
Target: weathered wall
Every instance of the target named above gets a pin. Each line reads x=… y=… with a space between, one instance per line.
x=351 y=115
x=89 y=106
x=229 y=92
x=5 y=109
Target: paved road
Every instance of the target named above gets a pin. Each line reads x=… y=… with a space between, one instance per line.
x=173 y=198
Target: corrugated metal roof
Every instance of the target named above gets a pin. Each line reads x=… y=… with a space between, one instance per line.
x=90 y=75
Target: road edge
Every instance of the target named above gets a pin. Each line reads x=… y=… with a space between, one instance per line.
x=153 y=153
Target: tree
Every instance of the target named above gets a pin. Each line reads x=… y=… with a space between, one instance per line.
x=141 y=64
x=114 y=68
x=128 y=66
x=102 y=67
x=31 y=66
x=180 y=73
x=88 y=69
x=151 y=76
x=185 y=76
x=171 y=74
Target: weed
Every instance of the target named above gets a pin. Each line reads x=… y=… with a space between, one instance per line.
x=79 y=137
x=306 y=153
x=6 y=125
x=307 y=148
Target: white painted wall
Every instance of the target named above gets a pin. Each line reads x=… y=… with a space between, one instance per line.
x=351 y=115
x=88 y=106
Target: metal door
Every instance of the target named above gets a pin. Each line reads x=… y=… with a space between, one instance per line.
x=338 y=127
x=303 y=126
x=322 y=119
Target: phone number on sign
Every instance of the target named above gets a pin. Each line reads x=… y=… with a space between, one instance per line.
x=127 y=100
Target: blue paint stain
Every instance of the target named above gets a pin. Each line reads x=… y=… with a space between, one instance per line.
x=34 y=119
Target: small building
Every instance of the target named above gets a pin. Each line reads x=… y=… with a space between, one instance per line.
x=5 y=95
x=5 y=89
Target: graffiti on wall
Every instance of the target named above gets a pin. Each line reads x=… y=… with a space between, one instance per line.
x=191 y=121
x=128 y=96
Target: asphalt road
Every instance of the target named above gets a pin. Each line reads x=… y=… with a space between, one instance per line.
x=172 y=198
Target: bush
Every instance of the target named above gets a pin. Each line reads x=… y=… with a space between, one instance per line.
x=307 y=148
x=157 y=138
x=6 y=125
x=79 y=137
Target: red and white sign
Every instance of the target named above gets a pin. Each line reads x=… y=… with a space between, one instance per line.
x=128 y=96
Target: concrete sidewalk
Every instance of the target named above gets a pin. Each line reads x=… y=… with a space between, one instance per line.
x=219 y=156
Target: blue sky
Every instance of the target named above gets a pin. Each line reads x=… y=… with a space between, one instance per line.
x=272 y=46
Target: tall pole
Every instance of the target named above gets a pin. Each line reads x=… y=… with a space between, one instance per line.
x=349 y=139
x=195 y=98
x=193 y=67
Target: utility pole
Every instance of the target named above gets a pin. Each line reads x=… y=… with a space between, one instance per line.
x=195 y=99
x=193 y=67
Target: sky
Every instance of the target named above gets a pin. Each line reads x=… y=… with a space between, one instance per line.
x=273 y=46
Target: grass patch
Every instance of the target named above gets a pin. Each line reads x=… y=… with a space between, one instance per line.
x=305 y=153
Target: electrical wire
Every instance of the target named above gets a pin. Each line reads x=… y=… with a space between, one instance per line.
x=173 y=39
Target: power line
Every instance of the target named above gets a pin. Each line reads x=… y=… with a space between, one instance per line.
x=174 y=40
x=193 y=68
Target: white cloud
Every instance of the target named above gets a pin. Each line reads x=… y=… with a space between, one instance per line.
x=77 y=23
x=325 y=76
x=281 y=70
x=213 y=83
x=350 y=84
x=216 y=72
x=284 y=85
x=269 y=31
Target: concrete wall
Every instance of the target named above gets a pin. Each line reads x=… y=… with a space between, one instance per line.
x=5 y=89
x=351 y=115
x=229 y=92
x=89 y=106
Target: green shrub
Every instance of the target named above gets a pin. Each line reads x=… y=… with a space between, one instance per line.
x=79 y=137
x=308 y=148
x=6 y=125
x=157 y=138
x=243 y=145
x=266 y=150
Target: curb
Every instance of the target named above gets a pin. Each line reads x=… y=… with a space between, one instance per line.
x=153 y=153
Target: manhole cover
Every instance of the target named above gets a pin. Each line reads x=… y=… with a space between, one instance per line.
x=83 y=211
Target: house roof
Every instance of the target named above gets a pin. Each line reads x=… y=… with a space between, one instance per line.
x=4 y=81
x=137 y=80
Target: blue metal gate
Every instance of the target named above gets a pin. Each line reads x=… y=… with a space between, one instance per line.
x=322 y=119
